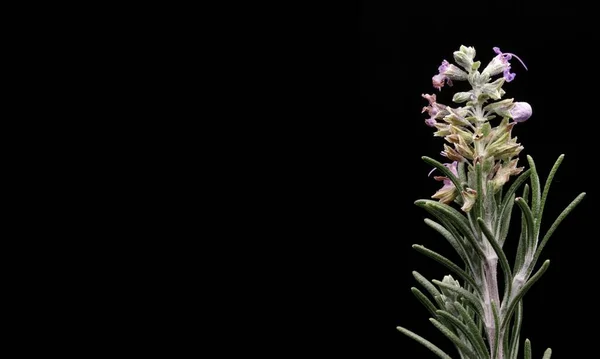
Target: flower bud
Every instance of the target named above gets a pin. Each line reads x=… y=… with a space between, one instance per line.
x=461 y=97
x=448 y=279
x=455 y=73
x=469 y=51
x=443 y=129
x=454 y=119
x=463 y=60
x=464 y=149
x=470 y=195
x=493 y=89
x=466 y=135
x=446 y=194
x=504 y=172
x=495 y=67
x=501 y=107
x=448 y=294
x=452 y=154
x=520 y=112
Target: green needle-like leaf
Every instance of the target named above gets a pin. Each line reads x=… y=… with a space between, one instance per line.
x=497 y=332
x=527 y=349
x=546 y=190
x=504 y=222
x=516 y=354
x=529 y=243
x=457 y=218
x=454 y=339
x=512 y=190
x=441 y=210
x=535 y=188
x=471 y=299
x=444 y=171
x=490 y=205
x=437 y=351
x=454 y=240
x=473 y=328
x=429 y=287
x=516 y=329
x=471 y=335
x=424 y=300
x=499 y=197
x=520 y=259
x=448 y=264
x=547 y=354
x=519 y=296
x=462 y=175
x=555 y=225
x=479 y=200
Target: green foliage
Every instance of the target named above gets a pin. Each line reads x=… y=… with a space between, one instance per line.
x=460 y=312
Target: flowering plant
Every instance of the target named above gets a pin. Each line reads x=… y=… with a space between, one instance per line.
x=482 y=157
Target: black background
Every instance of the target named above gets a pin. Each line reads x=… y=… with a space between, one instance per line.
x=399 y=53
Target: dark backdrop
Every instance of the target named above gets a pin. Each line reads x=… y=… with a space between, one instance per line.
x=399 y=53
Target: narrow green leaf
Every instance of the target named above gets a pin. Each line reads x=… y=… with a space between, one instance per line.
x=454 y=339
x=458 y=219
x=506 y=347
x=547 y=354
x=529 y=243
x=501 y=256
x=471 y=335
x=460 y=241
x=453 y=216
x=515 y=333
x=526 y=193
x=479 y=184
x=512 y=189
x=443 y=304
x=445 y=171
x=527 y=349
x=499 y=197
x=506 y=344
x=471 y=299
x=473 y=228
x=517 y=345
x=519 y=296
x=424 y=300
x=490 y=204
x=504 y=222
x=429 y=287
x=453 y=239
x=497 y=332
x=555 y=225
x=520 y=259
x=462 y=176
x=473 y=328
x=437 y=351
x=535 y=188
x=546 y=190
x=448 y=264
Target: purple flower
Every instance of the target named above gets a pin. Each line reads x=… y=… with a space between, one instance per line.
x=521 y=111
x=438 y=80
x=447 y=73
x=430 y=122
x=433 y=110
x=453 y=167
x=430 y=98
x=504 y=57
x=448 y=192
